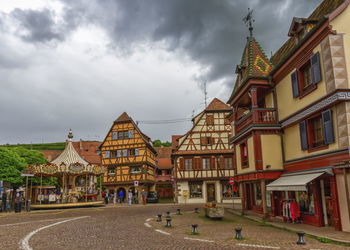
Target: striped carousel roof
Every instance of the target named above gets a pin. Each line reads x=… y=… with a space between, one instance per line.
x=69 y=155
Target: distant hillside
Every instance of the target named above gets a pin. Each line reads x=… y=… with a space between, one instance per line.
x=40 y=146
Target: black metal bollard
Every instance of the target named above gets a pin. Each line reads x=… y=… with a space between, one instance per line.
x=178 y=211
x=238 y=233
x=196 y=210
x=159 y=218
x=194 y=229
x=168 y=222
x=301 y=240
x=168 y=213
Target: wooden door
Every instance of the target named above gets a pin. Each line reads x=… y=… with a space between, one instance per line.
x=210 y=192
x=329 y=202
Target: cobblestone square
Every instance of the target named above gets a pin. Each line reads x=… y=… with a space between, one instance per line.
x=135 y=227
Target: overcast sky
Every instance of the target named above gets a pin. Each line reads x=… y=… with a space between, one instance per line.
x=80 y=63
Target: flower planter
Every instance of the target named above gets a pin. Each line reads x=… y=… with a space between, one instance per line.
x=214 y=212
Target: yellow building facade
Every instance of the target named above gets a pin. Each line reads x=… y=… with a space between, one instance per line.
x=291 y=119
x=128 y=157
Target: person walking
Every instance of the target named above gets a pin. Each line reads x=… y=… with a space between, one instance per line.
x=121 y=195
x=144 y=195
x=129 y=197
x=115 y=197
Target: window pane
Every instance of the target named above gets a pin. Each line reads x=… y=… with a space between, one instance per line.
x=195 y=190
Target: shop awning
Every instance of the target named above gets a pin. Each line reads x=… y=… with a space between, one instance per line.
x=292 y=182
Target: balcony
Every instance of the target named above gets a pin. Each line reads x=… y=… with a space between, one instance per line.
x=256 y=116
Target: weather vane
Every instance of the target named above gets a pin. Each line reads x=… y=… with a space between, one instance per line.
x=248 y=20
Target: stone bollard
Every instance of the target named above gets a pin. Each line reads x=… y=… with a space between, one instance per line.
x=178 y=211
x=196 y=210
x=238 y=233
x=168 y=221
x=159 y=218
x=301 y=240
x=194 y=229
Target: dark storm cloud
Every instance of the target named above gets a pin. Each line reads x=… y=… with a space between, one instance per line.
x=38 y=25
x=209 y=32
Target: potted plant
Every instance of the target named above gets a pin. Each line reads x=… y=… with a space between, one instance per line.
x=213 y=211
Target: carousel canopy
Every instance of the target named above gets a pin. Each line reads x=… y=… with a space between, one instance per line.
x=68 y=162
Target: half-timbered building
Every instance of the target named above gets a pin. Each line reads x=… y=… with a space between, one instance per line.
x=129 y=158
x=203 y=158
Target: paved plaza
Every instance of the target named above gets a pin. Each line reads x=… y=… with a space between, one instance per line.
x=135 y=227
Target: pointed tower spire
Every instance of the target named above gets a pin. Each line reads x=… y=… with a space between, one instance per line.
x=249 y=20
x=70 y=134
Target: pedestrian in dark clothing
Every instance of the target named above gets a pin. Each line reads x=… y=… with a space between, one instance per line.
x=4 y=198
x=121 y=196
x=106 y=198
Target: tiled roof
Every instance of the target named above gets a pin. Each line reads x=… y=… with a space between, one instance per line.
x=202 y=152
x=86 y=149
x=164 y=152
x=326 y=7
x=164 y=163
x=164 y=157
x=217 y=104
x=123 y=118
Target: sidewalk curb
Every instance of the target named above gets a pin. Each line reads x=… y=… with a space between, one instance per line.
x=230 y=210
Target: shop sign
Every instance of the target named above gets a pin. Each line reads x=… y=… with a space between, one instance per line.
x=136 y=183
x=76 y=168
x=232 y=181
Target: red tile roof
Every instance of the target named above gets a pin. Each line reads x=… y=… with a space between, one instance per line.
x=217 y=104
x=164 y=157
x=200 y=152
x=86 y=149
x=326 y=7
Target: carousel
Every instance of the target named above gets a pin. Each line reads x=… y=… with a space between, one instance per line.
x=80 y=183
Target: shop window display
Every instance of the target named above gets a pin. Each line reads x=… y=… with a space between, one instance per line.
x=257 y=194
x=228 y=191
x=195 y=190
x=306 y=202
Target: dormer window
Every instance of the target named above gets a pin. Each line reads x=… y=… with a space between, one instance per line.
x=300 y=27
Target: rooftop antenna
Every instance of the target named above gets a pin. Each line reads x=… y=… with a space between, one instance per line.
x=249 y=20
x=205 y=93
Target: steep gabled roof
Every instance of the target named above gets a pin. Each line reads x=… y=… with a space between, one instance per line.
x=217 y=104
x=124 y=117
x=325 y=8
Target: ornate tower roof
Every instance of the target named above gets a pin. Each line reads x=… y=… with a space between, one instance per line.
x=69 y=155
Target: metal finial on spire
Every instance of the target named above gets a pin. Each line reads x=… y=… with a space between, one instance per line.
x=248 y=20
x=70 y=134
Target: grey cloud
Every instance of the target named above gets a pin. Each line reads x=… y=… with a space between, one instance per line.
x=38 y=25
x=209 y=32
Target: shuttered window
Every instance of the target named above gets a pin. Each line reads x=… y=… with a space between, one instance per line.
x=137 y=152
x=107 y=154
x=114 y=135
x=317 y=132
x=303 y=135
x=316 y=68
x=210 y=119
x=328 y=127
x=182 y=163
x=212 y=163
x=295 y=84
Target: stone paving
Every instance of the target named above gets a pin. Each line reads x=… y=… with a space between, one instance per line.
x=122 y=227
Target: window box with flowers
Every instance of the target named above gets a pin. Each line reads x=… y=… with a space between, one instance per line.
x=213 y=211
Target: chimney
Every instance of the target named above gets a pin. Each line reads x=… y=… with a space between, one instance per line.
x=81 y=144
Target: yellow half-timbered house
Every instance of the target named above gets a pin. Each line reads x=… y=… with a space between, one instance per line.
x=203 y=158
x=129 y=158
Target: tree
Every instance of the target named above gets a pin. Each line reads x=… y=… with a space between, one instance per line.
x=159 y=143
x=11 y=165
